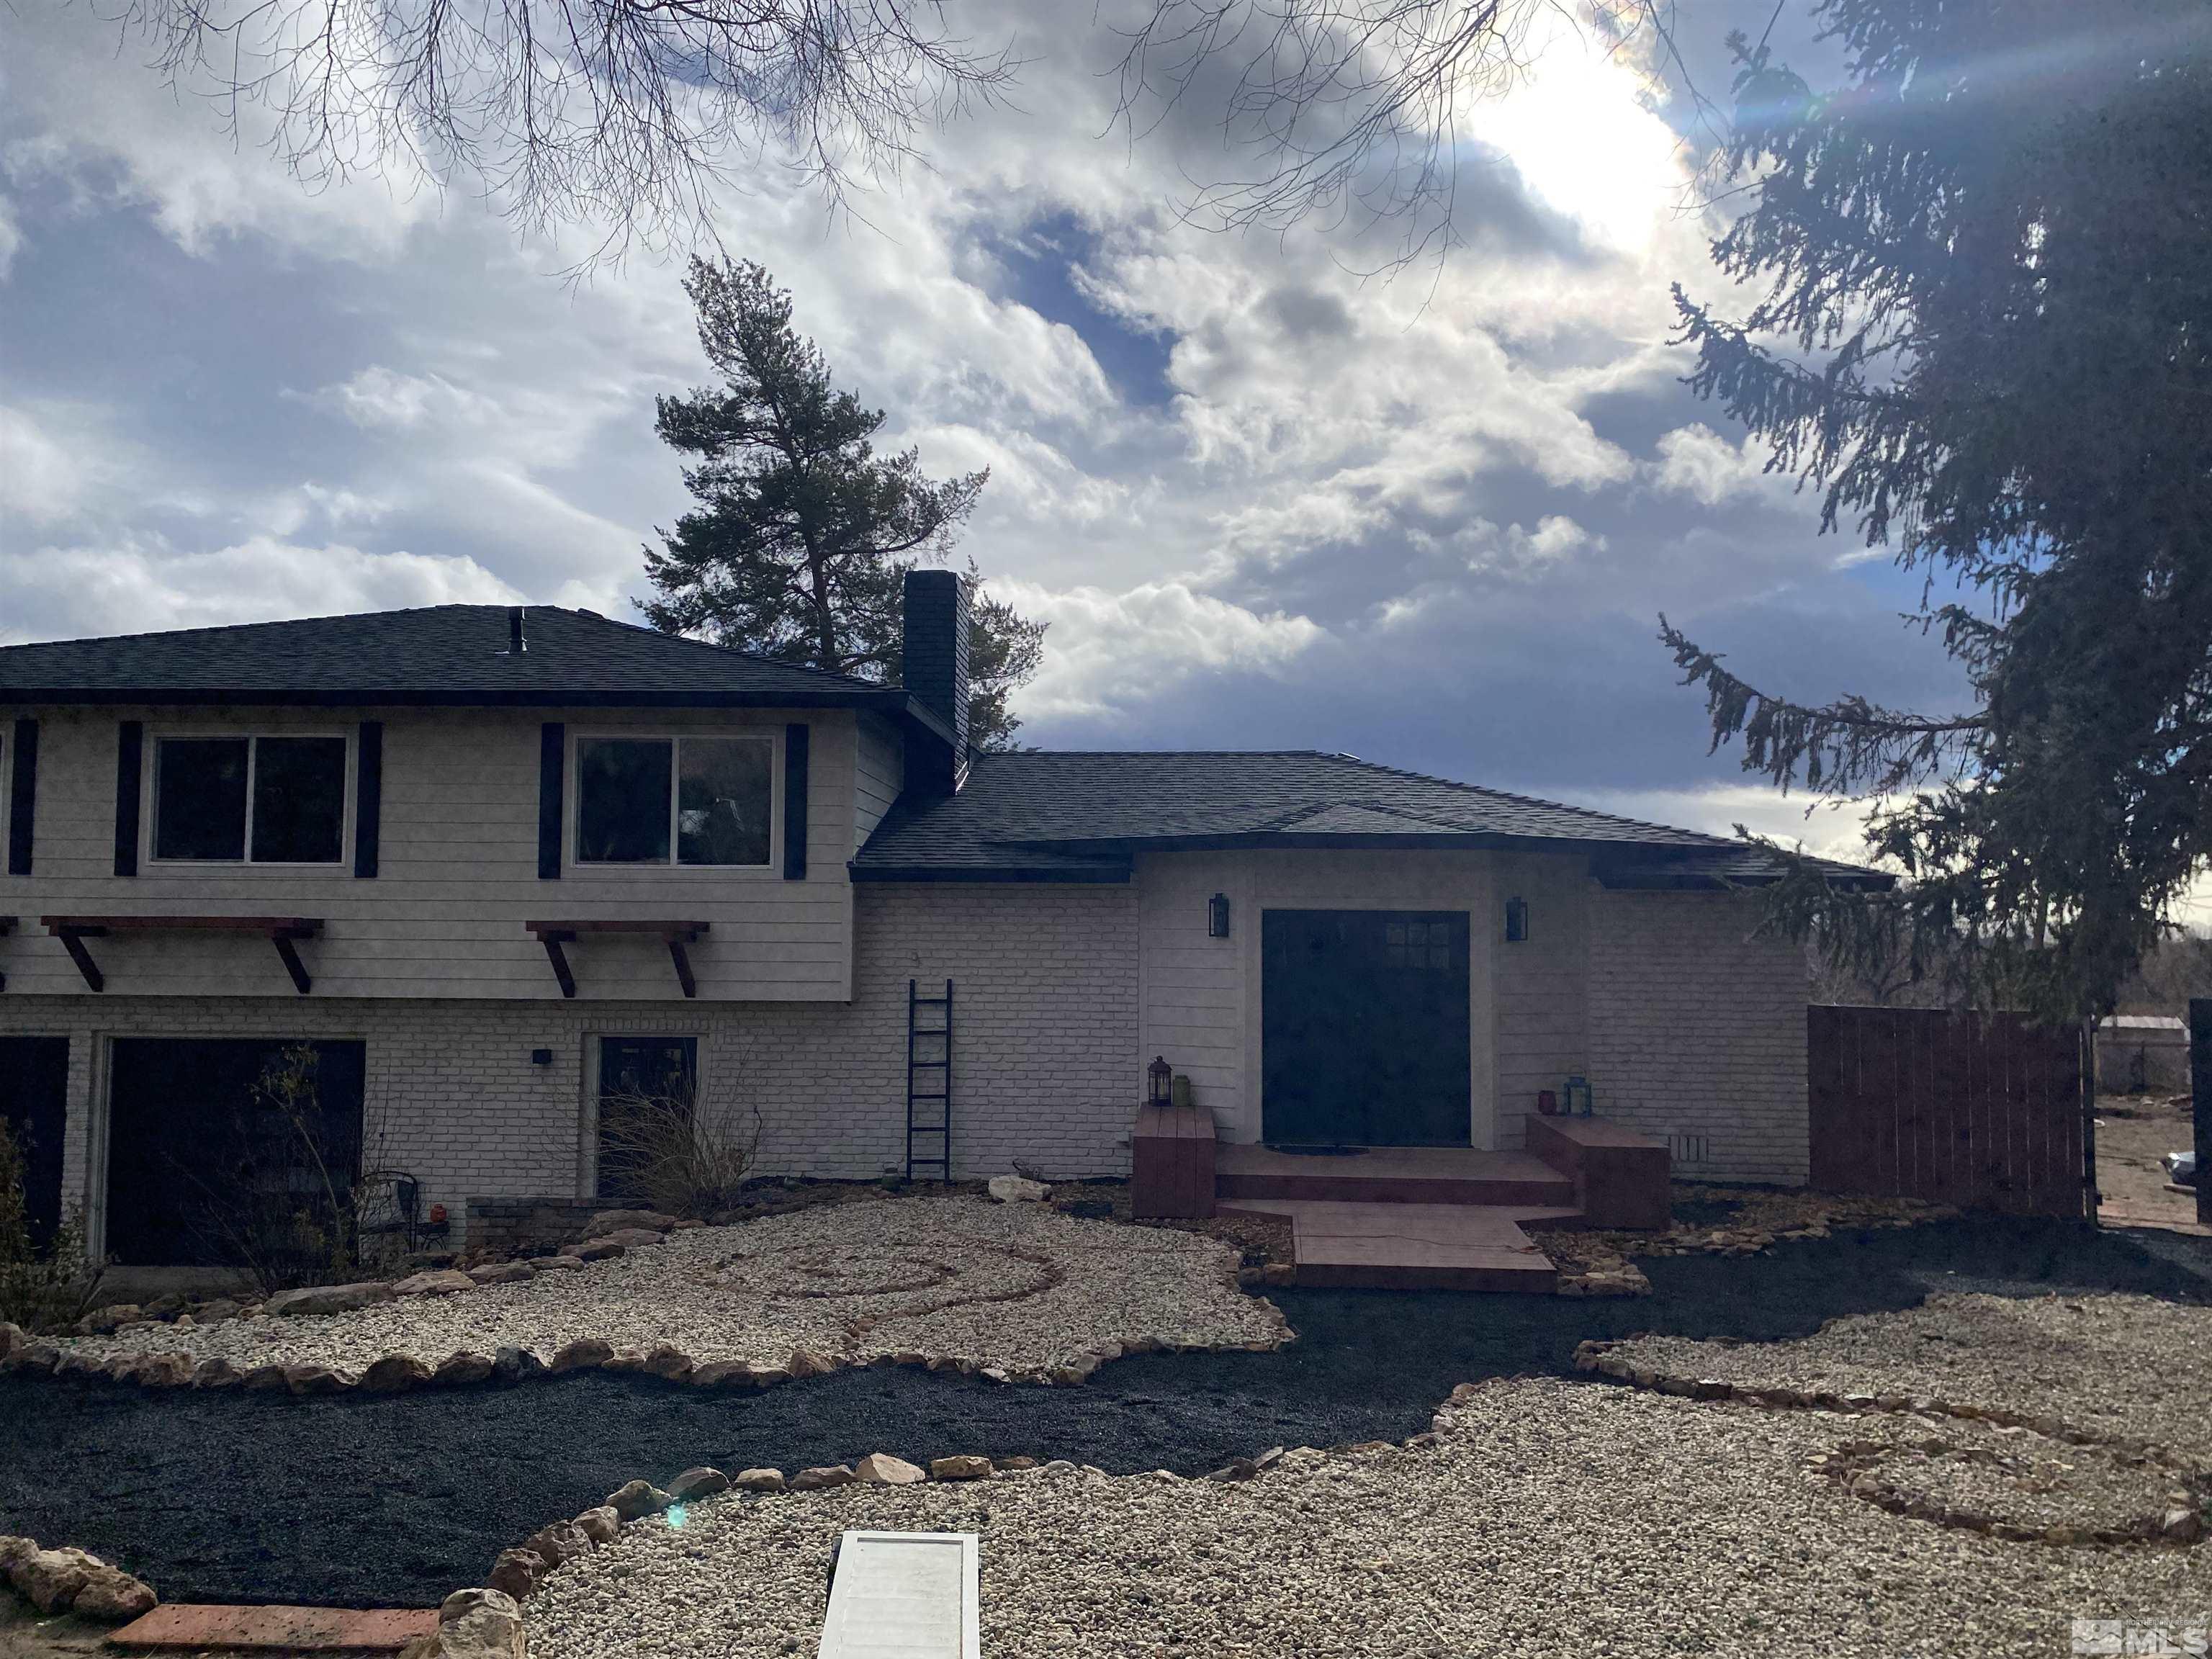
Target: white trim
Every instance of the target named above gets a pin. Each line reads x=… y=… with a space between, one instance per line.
x=573 y=791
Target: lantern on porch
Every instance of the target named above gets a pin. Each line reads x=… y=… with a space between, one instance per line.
x=1517 y=920
x=1217 y=917
x=1159 y=1083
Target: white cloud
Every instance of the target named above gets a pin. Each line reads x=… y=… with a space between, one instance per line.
x=1695 y=460
x=1106 y=649
x=11 y=237
x=378 y=397
x=1582 y=132
x=106 y=125
x=1519 y=551
x=1826 y=829
x=142 y=586
x=47 y=472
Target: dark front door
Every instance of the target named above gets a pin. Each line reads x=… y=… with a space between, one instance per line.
x=212 y=1155
x=647 y=1086
x=1363 y=1028
x=34 y=1105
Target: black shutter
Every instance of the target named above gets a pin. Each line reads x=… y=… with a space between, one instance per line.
x=22 y=797
x=130 y=751
x=368 y=796
x=552 y=750
x=794 y=802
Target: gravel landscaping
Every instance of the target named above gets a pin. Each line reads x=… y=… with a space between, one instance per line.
x=390 y=1500
x=1017 y=1289
x=2127 y=1366
x=2005 y=1475
x=1544 y=1516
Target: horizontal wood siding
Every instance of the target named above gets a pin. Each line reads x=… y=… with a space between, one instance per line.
x=879 y=772
x=456 y=873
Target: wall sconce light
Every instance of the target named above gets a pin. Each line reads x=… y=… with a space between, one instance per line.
x=1517 y=920
x=1217 y=917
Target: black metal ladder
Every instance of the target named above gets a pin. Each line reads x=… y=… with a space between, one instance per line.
x=928 y=1111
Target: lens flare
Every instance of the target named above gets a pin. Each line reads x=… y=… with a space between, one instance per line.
x=677 y=1515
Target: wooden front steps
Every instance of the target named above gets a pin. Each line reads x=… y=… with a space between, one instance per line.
x=1407 y=1217
x=1390 y=1175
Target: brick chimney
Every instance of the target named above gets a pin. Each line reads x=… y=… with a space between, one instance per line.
x=934 y=656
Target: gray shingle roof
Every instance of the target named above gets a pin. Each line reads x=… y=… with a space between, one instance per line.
x=1078 y=815
x=453 y=654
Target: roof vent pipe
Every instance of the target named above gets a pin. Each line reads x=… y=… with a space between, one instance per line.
x=515 y=644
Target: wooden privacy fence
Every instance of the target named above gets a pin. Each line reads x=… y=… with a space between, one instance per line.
x=1973 y=1110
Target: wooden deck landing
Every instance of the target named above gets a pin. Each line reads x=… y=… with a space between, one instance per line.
x=1414 y=1246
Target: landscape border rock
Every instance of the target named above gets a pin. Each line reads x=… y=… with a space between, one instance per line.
x=67 y=1580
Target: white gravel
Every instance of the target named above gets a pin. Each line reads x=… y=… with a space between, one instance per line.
x=2124 y=1365
x=1019 y=1287
x=1548 y=1518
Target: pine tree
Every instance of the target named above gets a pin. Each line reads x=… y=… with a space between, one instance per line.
x=804 y=534
x=1985 y=338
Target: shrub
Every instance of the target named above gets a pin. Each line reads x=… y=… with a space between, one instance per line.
x=41 y=1288
x=658 y=1151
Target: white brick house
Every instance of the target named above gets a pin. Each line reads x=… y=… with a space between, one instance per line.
x=494 y=855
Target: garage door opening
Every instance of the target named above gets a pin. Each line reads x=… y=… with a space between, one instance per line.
x=1365 y=1027
x=209 y=1156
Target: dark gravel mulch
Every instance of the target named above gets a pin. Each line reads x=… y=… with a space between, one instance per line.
x=393 y=1501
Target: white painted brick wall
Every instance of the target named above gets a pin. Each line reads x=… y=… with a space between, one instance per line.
x=1045 y=1031
x=1695 y=1026
x=1045 y=1034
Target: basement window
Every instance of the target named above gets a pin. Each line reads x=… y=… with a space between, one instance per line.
x=252 y=800
x=691 y=801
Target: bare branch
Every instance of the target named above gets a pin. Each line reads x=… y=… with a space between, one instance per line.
x=1349 y=110
x=625 y=115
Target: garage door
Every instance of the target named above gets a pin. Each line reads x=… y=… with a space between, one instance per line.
x=34 y=1105
x=1363 y=1028
x=199 y=1151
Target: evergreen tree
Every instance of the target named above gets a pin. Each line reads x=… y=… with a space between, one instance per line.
x=799 y=547
x=1986 y=265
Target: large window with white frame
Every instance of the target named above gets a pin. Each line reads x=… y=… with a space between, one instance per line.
x=259 y=800
x=693 y=801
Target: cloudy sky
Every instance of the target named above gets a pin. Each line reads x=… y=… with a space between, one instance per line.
x=1262 y=500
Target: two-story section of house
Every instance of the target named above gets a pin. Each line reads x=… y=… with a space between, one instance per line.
x=481 y=858
x=501 y=867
